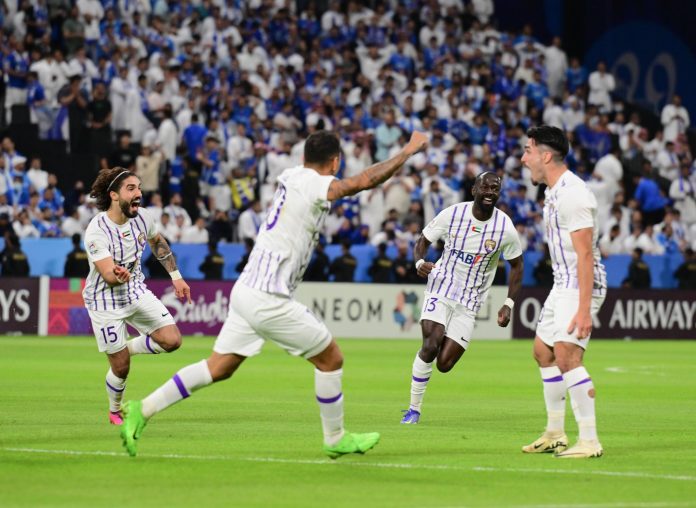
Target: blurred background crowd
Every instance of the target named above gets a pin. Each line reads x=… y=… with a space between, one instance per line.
x=208 y=101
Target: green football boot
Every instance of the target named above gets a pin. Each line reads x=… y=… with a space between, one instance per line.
x=133 y=424
x=352 y=443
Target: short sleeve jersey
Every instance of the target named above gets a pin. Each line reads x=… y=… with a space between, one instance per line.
x=287 y=239
x=570 y=206
x=469 y=261
x=125 y=244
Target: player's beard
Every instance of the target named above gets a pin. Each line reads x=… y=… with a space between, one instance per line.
x=126 y=208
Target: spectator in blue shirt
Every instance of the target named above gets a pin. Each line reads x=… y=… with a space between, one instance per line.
x=15 y=66
x=401 y=62
x=649 y=197
x=194 y=136
x=537 y=91
x=176 y=172
x=506 y=86
x=478 y=131
x=210 y=160
x=46 y=222
x=576 y=75
x=668 y=240
x=39 y=111
x=50 y=200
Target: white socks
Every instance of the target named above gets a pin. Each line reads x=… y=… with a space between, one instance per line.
x=144 y=345
x=581 y=392
x=184 y=382
x=554 y=396
x=419 y=381
x=115 y=386
x=327 y=386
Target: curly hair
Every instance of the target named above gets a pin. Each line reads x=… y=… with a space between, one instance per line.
x=108 y=180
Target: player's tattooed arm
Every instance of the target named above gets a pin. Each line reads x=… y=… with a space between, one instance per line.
x=377 y=173
x=163 y=253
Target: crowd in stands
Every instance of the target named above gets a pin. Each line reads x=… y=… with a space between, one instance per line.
x=209 y=101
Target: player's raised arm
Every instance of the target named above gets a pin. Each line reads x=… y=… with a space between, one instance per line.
x=377 y=173
x=163 y=252
x=514 y=286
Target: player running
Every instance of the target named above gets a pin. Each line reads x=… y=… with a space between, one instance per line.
x=475 y=233
x=580 y=287
x=262 y=306
x=115 y=293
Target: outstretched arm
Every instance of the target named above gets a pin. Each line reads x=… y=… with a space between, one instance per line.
x=514 y=286
x=163 y=253
x=377 y=173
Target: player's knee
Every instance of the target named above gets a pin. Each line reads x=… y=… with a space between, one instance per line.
x=543 y=358
x=172 y=341
x=221 y=373
x=121 y=370
x=429 y=350
x=329 y=359
x=538 y=357
x=337 y=361
x=566 y=364
x=222 y=367
x=444 y=365
x=332 y=362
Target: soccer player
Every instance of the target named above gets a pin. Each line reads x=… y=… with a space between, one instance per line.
x=115 y=291
x=580 y=286
x=262 y=306
x=475 y=234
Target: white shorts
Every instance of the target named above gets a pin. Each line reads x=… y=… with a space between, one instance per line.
x=255 y=316
x=457 y=319
x=559 y=309
x=146 y=315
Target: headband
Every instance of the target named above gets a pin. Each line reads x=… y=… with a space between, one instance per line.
x=117 y=177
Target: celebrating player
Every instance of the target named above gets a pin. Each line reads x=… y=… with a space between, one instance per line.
x=475 y=234
x=580 y=286
x=262 y=306
x=115 y=291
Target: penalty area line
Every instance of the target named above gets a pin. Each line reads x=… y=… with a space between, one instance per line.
x=377 y=465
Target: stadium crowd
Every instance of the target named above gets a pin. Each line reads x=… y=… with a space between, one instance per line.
x=209 y=101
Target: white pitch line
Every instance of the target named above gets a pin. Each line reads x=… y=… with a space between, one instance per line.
x=626 y=504
x=382 y=465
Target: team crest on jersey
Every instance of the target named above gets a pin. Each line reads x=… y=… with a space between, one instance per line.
x=489 y=245
x=141 y=238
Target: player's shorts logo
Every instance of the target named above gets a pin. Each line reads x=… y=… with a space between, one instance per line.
x=489 y=245
x=141 y=238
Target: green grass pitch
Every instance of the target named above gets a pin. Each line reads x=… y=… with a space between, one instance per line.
x=255 y=440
